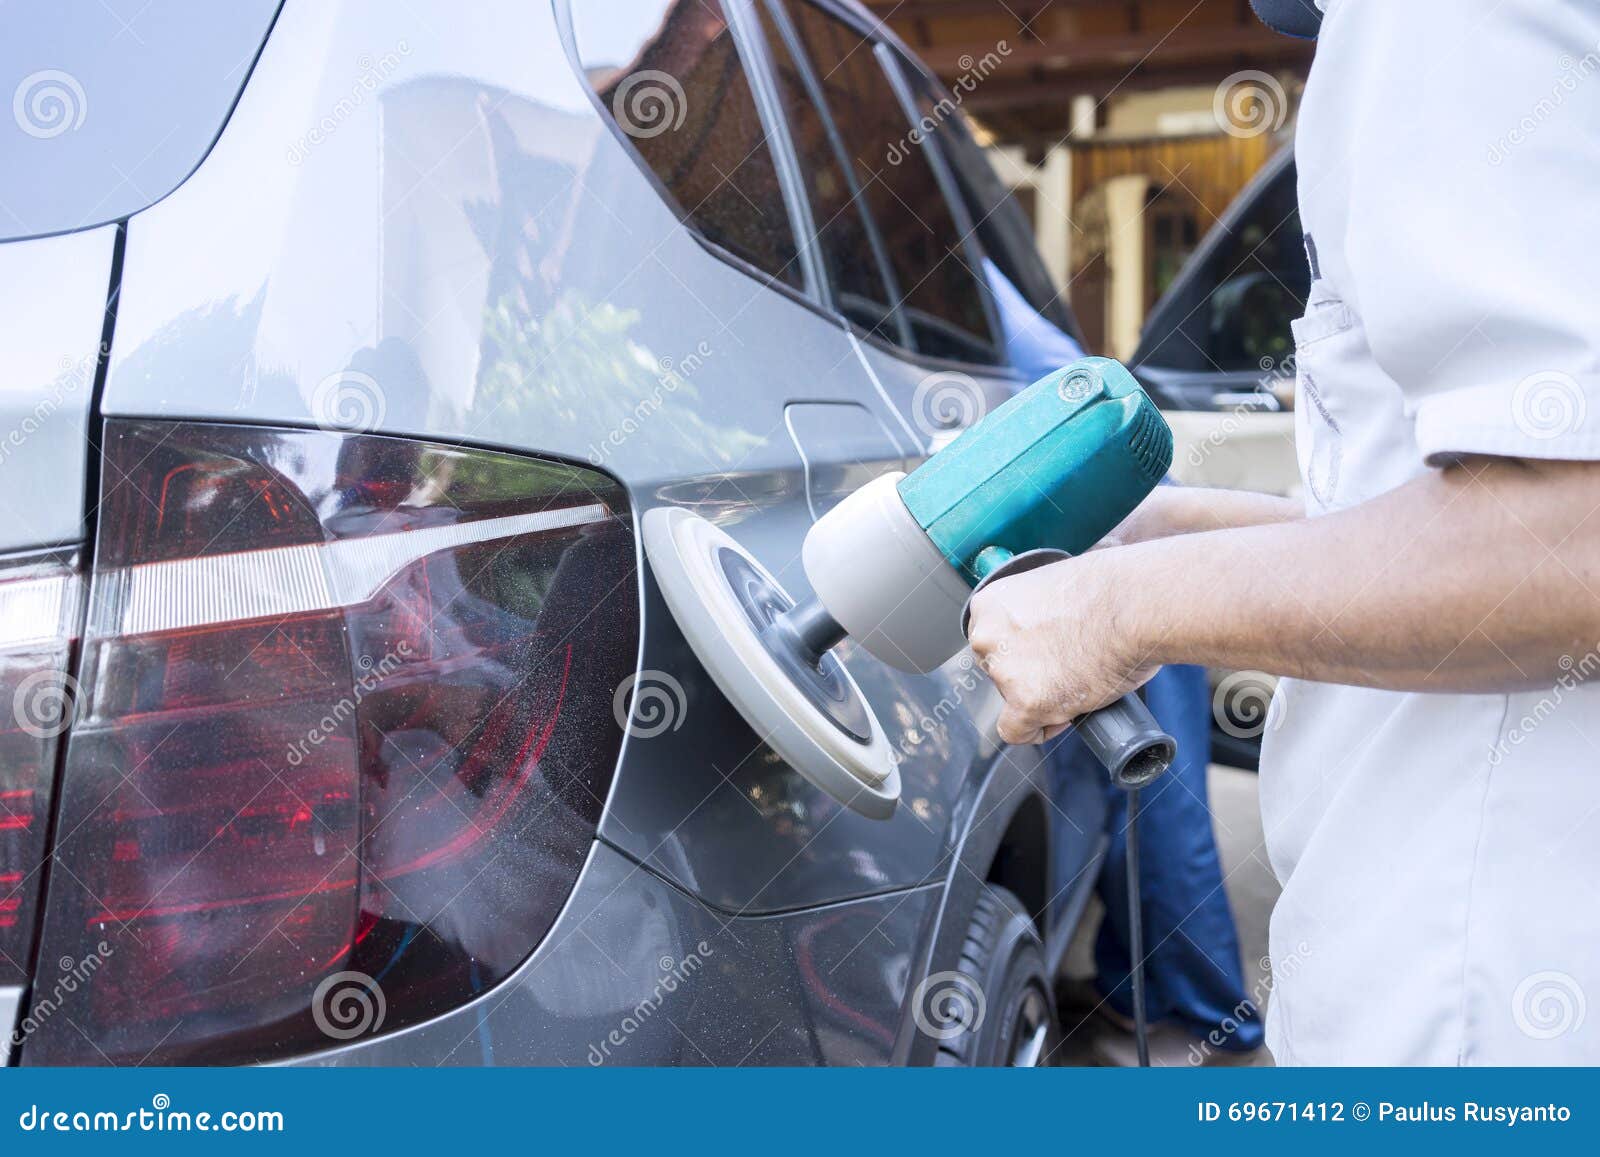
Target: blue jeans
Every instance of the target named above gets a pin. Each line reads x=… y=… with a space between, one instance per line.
x=1193 y=976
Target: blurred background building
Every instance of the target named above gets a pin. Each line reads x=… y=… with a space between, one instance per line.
x=1126 y=127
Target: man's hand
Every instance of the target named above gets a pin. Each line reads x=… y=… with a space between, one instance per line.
x=1480 y=578
x=1052 y=641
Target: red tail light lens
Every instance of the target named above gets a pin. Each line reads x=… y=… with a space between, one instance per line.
x=38 y=621
x=346 y=707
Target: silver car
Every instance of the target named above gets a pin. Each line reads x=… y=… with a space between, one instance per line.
x=342 y=347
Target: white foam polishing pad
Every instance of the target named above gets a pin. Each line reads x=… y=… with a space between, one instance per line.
x=814 y=717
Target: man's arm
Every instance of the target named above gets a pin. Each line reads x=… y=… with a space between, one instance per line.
x=1171 y=510
x=1480 y=577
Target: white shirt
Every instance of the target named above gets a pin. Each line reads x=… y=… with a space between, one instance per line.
x=1440 y=854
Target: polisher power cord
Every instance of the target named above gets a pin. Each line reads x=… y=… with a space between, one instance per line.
x=1141 y=1026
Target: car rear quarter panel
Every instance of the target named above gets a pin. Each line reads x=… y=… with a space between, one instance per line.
x=52 y=312
x=416 y=221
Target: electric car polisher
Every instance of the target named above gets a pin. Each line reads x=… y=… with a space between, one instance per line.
x=895 y=564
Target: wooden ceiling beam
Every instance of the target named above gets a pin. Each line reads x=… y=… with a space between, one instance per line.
x=994 y=97
x=1157 y=47
x=897 y=10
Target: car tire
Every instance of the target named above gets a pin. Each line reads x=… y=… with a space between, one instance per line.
x=1002 y=988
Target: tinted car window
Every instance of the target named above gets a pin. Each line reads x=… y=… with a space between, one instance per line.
x=668 y=72
x=114 y=102
x=940 y=293
x=850 y=251
x=1231 y=311
x=1002 y=227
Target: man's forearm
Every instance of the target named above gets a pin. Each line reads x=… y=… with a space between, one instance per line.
x=1478 y=578
x=1192 y=509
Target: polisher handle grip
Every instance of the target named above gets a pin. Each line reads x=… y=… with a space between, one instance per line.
x=1126 y=738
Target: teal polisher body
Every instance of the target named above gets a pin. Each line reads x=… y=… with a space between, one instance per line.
x=894 y=566
x=1054 y=468
x=1046 y=475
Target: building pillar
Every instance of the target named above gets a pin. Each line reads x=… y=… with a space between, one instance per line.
x=1125 y=260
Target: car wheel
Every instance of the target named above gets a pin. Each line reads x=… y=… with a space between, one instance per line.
x=1001 y=988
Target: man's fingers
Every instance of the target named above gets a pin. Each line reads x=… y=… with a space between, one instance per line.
x=1018 y=727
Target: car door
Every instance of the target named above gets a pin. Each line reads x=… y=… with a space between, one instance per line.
x=923 y=321
x=705 y=802
x=927 y=224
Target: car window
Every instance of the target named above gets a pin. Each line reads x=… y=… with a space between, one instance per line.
x=1003 y=230
x=114 y=103
x=940 y=294
x=1231 y=311
x=668 y=72
x=852 y=251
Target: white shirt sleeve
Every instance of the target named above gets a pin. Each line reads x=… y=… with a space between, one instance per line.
x=1465 y=145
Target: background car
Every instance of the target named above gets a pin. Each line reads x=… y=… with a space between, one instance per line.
x=345 y=346
x=1218 y=355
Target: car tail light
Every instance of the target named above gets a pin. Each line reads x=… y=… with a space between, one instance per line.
x=38 y=622
x=346 y=708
